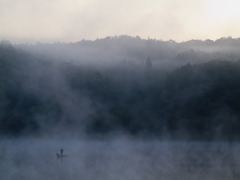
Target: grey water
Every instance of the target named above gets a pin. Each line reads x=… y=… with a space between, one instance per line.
x=119 y=159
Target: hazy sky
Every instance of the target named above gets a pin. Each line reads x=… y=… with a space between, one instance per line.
x=73 y=20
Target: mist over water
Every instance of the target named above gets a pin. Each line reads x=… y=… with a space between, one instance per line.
x=118 y=159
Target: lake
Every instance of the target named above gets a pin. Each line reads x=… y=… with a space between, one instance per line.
x=118 y=159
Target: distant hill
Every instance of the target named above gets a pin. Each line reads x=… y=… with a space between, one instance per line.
x=119 y=49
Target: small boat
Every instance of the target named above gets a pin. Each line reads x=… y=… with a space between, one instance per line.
x=61 y=155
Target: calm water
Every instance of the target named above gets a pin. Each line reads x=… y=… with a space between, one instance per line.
x=118 y=160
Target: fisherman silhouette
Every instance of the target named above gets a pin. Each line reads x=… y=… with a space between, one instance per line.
x=61 y=155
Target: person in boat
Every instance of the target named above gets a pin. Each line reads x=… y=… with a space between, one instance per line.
x=61 y=155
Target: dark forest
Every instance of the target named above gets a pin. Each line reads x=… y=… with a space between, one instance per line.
x=121 y=85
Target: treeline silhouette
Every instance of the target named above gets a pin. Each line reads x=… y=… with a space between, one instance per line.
x=40 y=95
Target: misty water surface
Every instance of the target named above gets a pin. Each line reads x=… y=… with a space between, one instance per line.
x=120 y=159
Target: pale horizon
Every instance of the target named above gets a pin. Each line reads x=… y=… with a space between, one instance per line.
x=30 y=21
